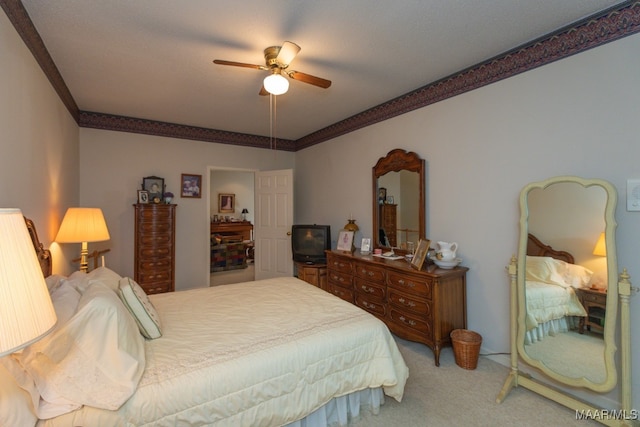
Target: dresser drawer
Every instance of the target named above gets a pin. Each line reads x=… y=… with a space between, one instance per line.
x=370 y=272
x=340 y=279
x=410 y=302
x=341 y=292
x=411 y=284
x=595 y=298
x=373 y=305
x=154 y=252
x=153 y=239
x=365 y=287
x=154 y=213
x=145 y=227
x=149 y=277
x=339 y=264
x=149 y=264
x=414 y=322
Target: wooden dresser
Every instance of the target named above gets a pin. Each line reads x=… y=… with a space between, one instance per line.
x=389 y=223
x=154 y=265
x=422 y=306
x=236 y=228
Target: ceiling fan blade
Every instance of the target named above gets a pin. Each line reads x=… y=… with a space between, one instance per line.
x=239 y=64
x=263 y=91
x=308 y=78
x=288 y=51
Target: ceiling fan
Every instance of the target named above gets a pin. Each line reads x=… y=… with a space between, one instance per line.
x=277 y=60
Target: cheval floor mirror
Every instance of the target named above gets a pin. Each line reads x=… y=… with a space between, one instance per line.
x=568 y=214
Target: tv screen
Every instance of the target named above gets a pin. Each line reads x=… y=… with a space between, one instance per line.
x=308 y=243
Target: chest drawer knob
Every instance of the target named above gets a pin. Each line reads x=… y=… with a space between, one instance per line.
x=408 y=322
x=368 y=289
x=371 y=306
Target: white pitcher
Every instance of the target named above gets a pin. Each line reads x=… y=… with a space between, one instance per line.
x=447 y=251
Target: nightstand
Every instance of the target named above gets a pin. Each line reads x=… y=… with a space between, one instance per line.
x=594 y=302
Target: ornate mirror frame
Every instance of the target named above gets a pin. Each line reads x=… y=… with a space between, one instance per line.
x=396 y=161
x=618 y=293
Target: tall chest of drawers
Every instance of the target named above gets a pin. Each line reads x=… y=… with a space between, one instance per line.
x=154 y=264
x=422 y=306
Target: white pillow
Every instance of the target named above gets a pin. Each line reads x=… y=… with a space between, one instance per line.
x=54 y=281
x=106 y=276
x=545 y=269
x=557 y=272
x=95 y=359
x=16 y=408
x=137 y=301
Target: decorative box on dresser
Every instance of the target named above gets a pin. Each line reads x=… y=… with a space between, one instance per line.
x=422 y=306
x=154 y=264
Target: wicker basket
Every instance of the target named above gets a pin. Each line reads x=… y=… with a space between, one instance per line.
x=466 y=347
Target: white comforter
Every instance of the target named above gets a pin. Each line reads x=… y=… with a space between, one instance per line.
x=546 y=302
x=262 y=353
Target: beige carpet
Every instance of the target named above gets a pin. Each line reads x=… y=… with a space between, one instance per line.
x=451 y=396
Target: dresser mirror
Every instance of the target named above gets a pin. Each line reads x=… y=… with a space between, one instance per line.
x=398 y=200
x=561 y=222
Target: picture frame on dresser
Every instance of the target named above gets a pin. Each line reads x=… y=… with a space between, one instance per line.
x=154 y=185
x=345 y=240
x=143 y=196
x=421 y=253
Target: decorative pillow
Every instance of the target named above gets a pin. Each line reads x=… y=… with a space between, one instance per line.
x=16 y=408
x=137 y=301
x=96 y=358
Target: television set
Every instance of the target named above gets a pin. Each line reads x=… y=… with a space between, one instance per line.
x=309 y=241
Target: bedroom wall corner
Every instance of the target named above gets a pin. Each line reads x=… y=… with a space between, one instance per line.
x=39 y=165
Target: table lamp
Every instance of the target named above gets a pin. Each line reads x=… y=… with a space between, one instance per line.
x=601 y=247
x=83 y=225
x=26 y=311
x=245 y=211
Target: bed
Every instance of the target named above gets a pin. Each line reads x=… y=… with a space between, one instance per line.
x=551 y=278
x=264 y=353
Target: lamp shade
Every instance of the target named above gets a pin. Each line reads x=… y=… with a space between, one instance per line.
x=276 y=84
x=26 y=311
x=83 y=225
x=601 y=247
x=245 y=211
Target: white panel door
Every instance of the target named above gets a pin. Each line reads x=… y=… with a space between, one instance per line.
x=273 y=221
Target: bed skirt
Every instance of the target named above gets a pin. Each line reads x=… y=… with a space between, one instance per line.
x=552 y=327
x=340 y=410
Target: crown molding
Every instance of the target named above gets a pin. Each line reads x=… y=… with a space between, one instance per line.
x=618 y=22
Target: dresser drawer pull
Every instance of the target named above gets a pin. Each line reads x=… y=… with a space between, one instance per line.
x=410 y=284
x=368 y=289
x=371 y=306
x=406 y=303
x=408 y=322
x=341 y=279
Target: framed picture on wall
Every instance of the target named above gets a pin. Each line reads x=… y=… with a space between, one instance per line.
x=226 y=203
x=191 y=185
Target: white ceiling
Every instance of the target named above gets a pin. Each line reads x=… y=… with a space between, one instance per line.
x=152 y=59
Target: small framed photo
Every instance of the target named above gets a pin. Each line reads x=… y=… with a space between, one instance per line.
x=226 y=203
x=345 y=240
x=154 y=186
x=390 y=200
x=421 y=254
x=365 y=246
x=143 y=197
x=191 y=185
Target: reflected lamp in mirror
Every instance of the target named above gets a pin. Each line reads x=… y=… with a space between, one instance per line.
x=601 y=248
x=26 y=311
x=83 y=225
x=244 y=213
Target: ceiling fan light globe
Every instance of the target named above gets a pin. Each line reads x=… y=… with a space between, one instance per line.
x=276 y=84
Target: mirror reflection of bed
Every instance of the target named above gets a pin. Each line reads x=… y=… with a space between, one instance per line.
x=554 y=312
x=568 y=219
